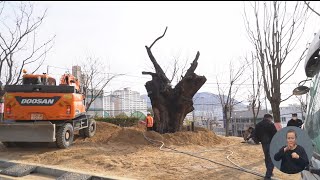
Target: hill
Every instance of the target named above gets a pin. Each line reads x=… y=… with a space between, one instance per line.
x=203 y=101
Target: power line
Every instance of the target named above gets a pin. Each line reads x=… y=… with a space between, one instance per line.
x=133 y=109
x=144 y=77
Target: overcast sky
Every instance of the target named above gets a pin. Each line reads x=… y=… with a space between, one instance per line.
x=116 y=32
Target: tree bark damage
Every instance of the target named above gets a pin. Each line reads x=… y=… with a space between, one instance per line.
x=171 y=105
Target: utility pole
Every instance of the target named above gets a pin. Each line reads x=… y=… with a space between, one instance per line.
x=110 y=104
x=193 y=119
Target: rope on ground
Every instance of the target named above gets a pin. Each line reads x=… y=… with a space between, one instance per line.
x=238 y=167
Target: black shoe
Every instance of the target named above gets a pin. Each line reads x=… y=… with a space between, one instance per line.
x=267 y=178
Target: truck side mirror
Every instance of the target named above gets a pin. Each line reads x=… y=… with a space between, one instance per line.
x=300 y=90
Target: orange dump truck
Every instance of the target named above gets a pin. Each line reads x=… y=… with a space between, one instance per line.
x=41 y=111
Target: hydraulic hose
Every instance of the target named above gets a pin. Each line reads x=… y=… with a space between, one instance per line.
x=237 y=167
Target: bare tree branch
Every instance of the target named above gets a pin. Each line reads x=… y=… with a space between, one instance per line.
x=159 y=38
x=18 y=45
x=227 y=100
x=157 y=67
x=274 y=34
x=93 y=79
x=308 y=5
x=193 y=66
x=255 y=92
x=287 y=98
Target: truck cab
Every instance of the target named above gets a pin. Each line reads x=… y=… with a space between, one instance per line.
x=42 y=79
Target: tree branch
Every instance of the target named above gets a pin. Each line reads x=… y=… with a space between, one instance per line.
x=305 y=2
x=287 y=98
x=193 y=66
x=158 y=38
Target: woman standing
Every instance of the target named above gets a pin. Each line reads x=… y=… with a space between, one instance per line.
x=293 y=156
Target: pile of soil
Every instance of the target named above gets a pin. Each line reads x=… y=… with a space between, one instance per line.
x=103 y=133
x=110 y=133
x=202 y=138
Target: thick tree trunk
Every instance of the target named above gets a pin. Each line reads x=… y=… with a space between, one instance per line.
x=275 y=105
x=171 y=105
x=227 y=119
x=254 y=115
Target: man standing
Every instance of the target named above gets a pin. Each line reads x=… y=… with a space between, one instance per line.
x=295 y=121
x=264 y=132
x=149 y=122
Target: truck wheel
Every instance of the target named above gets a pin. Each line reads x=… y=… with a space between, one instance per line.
x=64 y=136
x=81 y=133
x=91 y=129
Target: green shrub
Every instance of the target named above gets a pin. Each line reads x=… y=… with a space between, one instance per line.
x=120 y=121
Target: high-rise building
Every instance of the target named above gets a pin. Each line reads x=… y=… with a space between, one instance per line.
x=109 y=105
x=125 y=101
x=76 y=72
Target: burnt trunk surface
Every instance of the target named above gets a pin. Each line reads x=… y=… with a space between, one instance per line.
x=171 y=105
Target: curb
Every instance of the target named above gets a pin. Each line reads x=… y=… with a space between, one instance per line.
x=20 y=170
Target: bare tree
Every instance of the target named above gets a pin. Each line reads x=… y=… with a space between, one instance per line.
x=312 y=9
x=303 y=106
x=255 y=90
x=274 y=34
x=94 y=79
x=19 y=46
x=227 y=95
x=171 y=105
x=178 y=69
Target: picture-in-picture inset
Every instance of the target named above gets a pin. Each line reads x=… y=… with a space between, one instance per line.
x=291 y=150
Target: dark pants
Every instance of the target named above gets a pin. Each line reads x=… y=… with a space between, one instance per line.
x=149 y=128
x=267 y=160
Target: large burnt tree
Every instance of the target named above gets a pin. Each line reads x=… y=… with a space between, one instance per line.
x=171 y=105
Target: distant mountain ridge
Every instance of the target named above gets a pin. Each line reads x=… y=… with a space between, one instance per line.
x=202 y=101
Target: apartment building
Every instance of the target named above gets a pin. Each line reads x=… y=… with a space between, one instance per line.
x=124 y=101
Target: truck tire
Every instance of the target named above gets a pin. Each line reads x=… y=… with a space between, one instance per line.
x=64 y=136
x=81 y=133
x=91 y=129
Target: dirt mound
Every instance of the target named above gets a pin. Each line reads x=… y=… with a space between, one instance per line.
x=129 y=135
x=202 y=138
x=103 y=133
x=110 y=133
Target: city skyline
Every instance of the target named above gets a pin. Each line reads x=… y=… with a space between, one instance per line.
x=117 y=32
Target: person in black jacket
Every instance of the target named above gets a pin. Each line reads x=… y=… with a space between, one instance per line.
x=264 y=132
x=293 y=156
x=295 y=121
x=251 y=136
